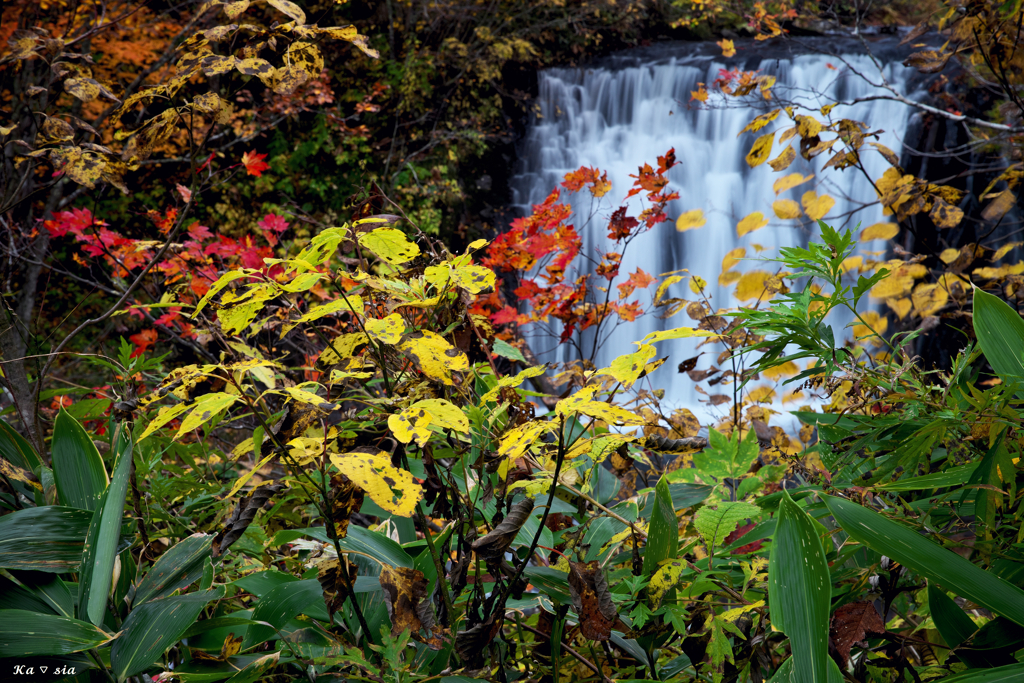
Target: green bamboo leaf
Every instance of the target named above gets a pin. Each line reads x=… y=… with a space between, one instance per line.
x=1003 y=674
x=1000 y=333
x=784 y=674
x=50 y=589
x=280 y=605
x=663 y=538
x=800 y=591
x=104 y=534
x=45 y=539
x=257 y=670
x=14 y=448
x=25 y=634
x=177 y=568
x=953 y=623
x=928 y=559
x=77 y=466
x=358 y=540
x=155 y=626
x=954 y=476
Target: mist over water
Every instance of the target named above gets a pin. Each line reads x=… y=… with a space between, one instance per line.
x=627 y=112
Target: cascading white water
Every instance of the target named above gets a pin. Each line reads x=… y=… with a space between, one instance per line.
x=620 y=116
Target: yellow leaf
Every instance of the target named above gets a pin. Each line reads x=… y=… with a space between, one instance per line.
x=760 y=121
x=664 y=580
x=244 y=479
x=787 y=369
x=762 y=394
x=477 y=244
x=306 y=397
x=734 y=256
x=815 y=205
x=665 y=284
x=782 y=162
x=390 y=244
x=808 y=126
x=599 y=410
x=852 y=263
x=690 y=220
x=513 y=381
x=873 y=324
x=1000 y=204
x=734 y=614
x=726 y=278
x=303 y=450
x=1005 y=249
x=879 y=231
x=163 y=416
x=433 y=355
x=386 y=330
x=341 y=347
x=375 y=475
x=752 y=286
x=893 y=286
x=728 y=48
x=928 y=299
x=790 y=181
x=627 y=368
x=697 y=284
x=949 y=255
x=444 y=414
x=786 y=209
x=675 y=333
x=348 y=304
x=206 y=408
x=945 y=215
x=516 y=441
x=410 y=424
x=760 y=150
x=752 y=222
x=901 y=307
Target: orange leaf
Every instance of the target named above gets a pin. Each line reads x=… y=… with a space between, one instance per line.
x=254 y=164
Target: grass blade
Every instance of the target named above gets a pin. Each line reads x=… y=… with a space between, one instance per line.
x=77 y=466
x=928 y=559
x=800 y=591
x=25 y=634
x=1000 y=333
x=46 y=539
x=104 y=533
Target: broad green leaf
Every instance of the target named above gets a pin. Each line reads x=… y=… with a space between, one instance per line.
x=726 y=456
x=104 y=533
x=928 y=559
x=77 y=466
x=663 y=535
x=14 y=448
x=50 y=588
x=46 y=539
x=714 y=525
x=799 y=591
x=502 y=348
x=954 y=476
x=280 y=605
x=1001 y=674
x=953 y=623
x=178 y=567
x=257 y=670
x=1000 y=333
x=153 y=627
x=785 y=673
x=25 y=634
x=359 y=540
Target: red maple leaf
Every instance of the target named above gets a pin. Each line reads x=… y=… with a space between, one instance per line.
x=621 y=226
x=143 y=340
x=638 y=280
x=254 y=164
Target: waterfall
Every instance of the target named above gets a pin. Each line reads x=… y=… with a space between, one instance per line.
x=625 y=112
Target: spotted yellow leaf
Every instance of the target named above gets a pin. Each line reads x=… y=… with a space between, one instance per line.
x=760 y=121
x=879 y=231
x=627 y=368
x=513 y=381
x=163 y=416
x=786 y=209
x=928 y=299
x=697 y=284
x=663 y=580
x=675 y=333
x=390 y=244
x=206 y=408
x=387 y=330
x=750 y=223
x=444 y=414
x=782 y=162
x=393 y=489
x=349 y=304
x=690 y=220
x=341 y=347
x=760 y=150
x=412 y=424
x=433 y=355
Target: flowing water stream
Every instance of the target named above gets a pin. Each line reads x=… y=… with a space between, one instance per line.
x=629 y=109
